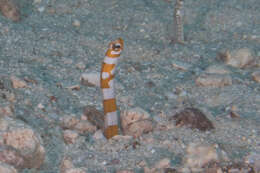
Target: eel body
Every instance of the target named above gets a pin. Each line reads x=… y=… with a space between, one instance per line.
x=107 y=86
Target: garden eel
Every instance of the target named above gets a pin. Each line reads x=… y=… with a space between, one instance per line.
x=107 y=86
x=178 y=22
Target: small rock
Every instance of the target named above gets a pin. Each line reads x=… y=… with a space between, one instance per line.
x=40 y=106
x=66 y=164
x=164 y=163
x=6 y=111
x=170 y=170
x=239 y=58
x=214 y=80
x=193 y=118
x=3 y=126
x=217 y=69
x=25 y=141
x=9 y=9
x=124 y=171
x=10 y=97
x=150 y=84
x=238 y=167
x=119 y=138
x=135 y=122
x=98 y=135
x=11 y=157
x=149 y=170
x=69 y=122
x=18 y=83
x=74 y=87
x=138 y=128
x=30 y=80
x=81 y=66
x=75 y=170
x=70 y=136
x=94 y=116
x=41 y=9
x=72 y=123
x=181 y=65
x=90 y=79
x=214 y=169
x=234 y=115
x=76 y=23
x=5 y=168
x=199 y=155
x=114 y=162
x=256 y=76
x=85 y=127
x=20 y=146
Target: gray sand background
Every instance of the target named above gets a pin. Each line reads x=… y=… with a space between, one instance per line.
x=49 y=46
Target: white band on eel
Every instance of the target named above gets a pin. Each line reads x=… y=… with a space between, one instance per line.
x=111 y=118
x=105 y=75
x=108 y=60
x=108 y=93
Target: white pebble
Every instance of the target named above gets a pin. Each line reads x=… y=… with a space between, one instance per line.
x=41 y=9
x=76 y=23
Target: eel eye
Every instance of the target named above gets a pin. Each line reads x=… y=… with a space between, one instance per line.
x=116 y=46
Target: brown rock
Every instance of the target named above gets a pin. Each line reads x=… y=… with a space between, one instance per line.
x=124 y=171
x=239 y=58
x=213 y=170
x=75 y=170
x=6 y=111
x=11 y=157
x=18 y=83
x=217 y=69
x=98 y=135
x=66 y=164
x=85 y=127
x=81 y=126
x=181 y=65
x=193 y=118
x=20 y=146
x=238 y=167
x=256 y=76
x=234 y=114
x=74 y=87
x=135 y=122
x=81 y=66
x=94 y=116
x=138 y=128
x=170 y=170
x=4 y=168
x=76 y=23
x=164 y=163
x=69 y=122
x=198 y=155
x=121 y=138
x=27 y=143
x=70 y=136
x=150 y=170
x=9 y=9
x=214 y=80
